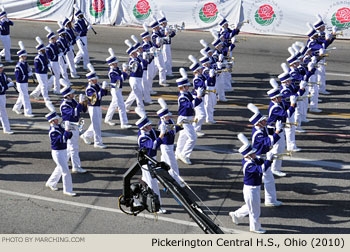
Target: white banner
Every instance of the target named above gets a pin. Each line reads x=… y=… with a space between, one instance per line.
x=197 y=14
x=54 y=10
x=290 y=17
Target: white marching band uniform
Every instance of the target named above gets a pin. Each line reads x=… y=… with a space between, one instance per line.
x=5 y=83
x=5 y=24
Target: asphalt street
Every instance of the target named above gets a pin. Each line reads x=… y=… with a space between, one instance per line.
x=315 y=192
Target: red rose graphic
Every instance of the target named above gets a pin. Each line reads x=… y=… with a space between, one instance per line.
x=343 y=15
x=209 y=10
x=266 y=12
x=45 y=2
x=98 y=5
x=142 y=7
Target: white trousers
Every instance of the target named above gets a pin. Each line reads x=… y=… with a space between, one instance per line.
x=151 y=182
x=61 y=170
x=200 y=115
x=3 y=114
x=299 y=111
x=146 y=87
x=278 y=147
x=135 y=94
x=269 y=187
x=209 y=104
x=220 y=84
x=43 y=86
x=167 y=59
x=321 y=76
x=159 y=62
x=151 y=70
x=6 y=41
x=290 y=133
x=55 y=66
x=73 y=148
x=63 y=67
x=306 y=102
x=227 y=81
x=251 y=207
x=168 y=156
x=187 y=139
x=94 y=129
x=83 y=52
x=70 y=60
x=314 y=92
x=117 y=102
x=23 y=99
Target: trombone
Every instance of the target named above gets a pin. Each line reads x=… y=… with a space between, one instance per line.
x=279 y=156
x=310 y=83
x=210 y=91
x=184 y=121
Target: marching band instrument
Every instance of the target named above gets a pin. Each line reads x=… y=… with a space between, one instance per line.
x=92 y=98
x=339 y=33
x=310 y=83
x=79 y=124
x=279 y=156
x=321 y=64
x=210 y=91
x=185 y=121
x=295 y=123
x=324 y=55
x=85 y=102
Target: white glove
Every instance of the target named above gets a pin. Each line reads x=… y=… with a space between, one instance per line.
x=200 y=92
x=144 y=55
x=221 y=57
x=158 y=41
x=30 y=73
x=219 y=65
x=67 y=125
x=153 y=50
x=334 y=29
x=302 y=84
x=125 y=67
x=104 y=85
x=269 y=156
x=49 y=65
x=293 y=99
x=314 y=59
x=81 y=98
x=233 y=40
x=60 y=54
x=310 y=66
x=162 y=128
x=279 y=125
x=211 y=73
x=89 y=27
x=9 y=79
x=11 y=84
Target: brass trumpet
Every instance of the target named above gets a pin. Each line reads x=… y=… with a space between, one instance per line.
x=281 y=155
x=185 y=121
x=295 y=123
x=85 y=102
x=321 y=64
x=324 y=55
x=339 y=33
x=92 y=98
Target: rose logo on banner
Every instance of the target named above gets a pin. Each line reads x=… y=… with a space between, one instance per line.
x=44 y=5
x=265 y=15
x=142 y=10
x=341 y=18
x=97 y=8
x=208 y=13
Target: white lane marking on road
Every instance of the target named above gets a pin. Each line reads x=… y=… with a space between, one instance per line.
x=107 y=209
x=314 y=162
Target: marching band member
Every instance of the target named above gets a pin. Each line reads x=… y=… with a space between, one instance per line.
x=150 y=140
x=135 y=79
x=64 y=47
x=148 y=47
x=116 y=78
x=326 y=40
x=288 y=89
x=5 y=24
x=253 y=169
x=278 y=112
x=70 y=112
x=262 y=142
x=81 y=27
x=167 y=146
x=198 y=83
x=72 y=38
x=41 y=66
x=145 y=59
x=220 y=81
x=59 y=138
x=157 y=39
x=167 y=34
x=187 y=137
x=210 y=97
x=22 y=72
x=52 y=52
x=5 y=83
x=94 y=92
